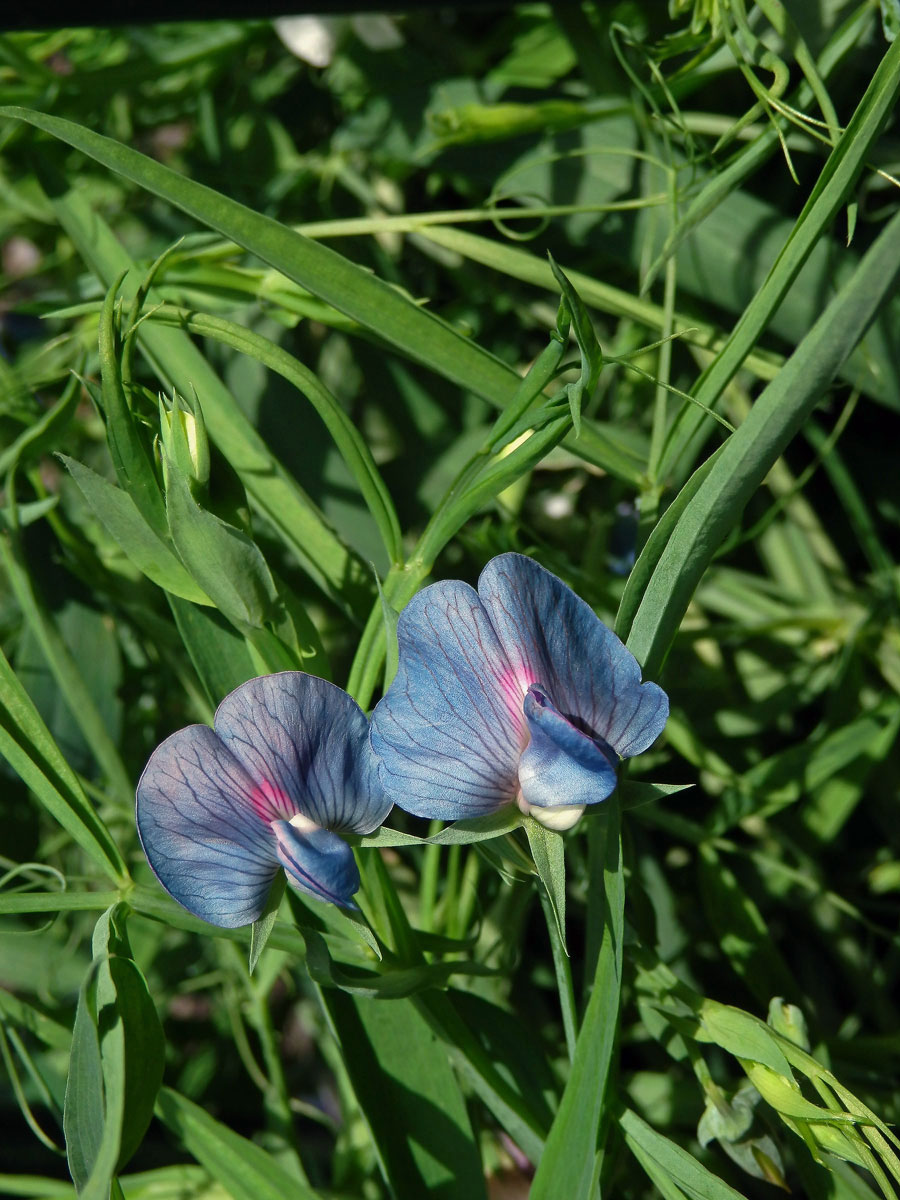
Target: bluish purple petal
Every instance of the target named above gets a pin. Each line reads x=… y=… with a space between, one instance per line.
x=553 y=637
x=318 y=863
x=561 y=766
x=203 y=837
x=304 y=743
x=450 y=729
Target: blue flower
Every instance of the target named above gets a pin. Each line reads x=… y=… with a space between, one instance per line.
x=287 y=768
x=516 y=692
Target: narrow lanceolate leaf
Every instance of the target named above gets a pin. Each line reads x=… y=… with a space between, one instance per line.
x=460 y=833
x=44 y=434
x=28 y=747
x=568 y=1166
x=402 y=1079
x=35 y=902
x=225 y=563
x=548 y=852
x=743 y=461
x=244 y=1169
x=261 y=929
x=672 y=1161
x=348 y=287
x=116 y=1063
x=218 y=652
x=118 y=513
x=85 y=1113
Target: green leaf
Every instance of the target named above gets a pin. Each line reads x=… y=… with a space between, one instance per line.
x=635 y=794
x=224 y=562
x=29 y=749
x=262 y=927
x=744 y=460
x=26 y=514
x=218 y=652
x=25 y=1186
x=743 y=1035
x=119 y=515
x=743 y=933
x=568 y=1165
x=35 y=902
x=245 y=1170
x=531 y=268
x=520 y=1114
x=786 y=1098
x=16 y=1011
x=672 y=1161
x=411 y=1099
x=153 y=902
x=393 y=983
x=548 y=851
x=45 y=433
x=85 y=1113
x=348 y=287
x=116 y=1062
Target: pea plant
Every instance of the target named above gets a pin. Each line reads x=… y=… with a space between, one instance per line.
x=449 y=641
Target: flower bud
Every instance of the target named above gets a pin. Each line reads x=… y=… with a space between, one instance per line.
x=184 y=441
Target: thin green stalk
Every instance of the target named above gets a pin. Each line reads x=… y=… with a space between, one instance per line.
x=660 y=405
x=451 y=889
x=431 y=864
x=468 y=893
x=563 y=969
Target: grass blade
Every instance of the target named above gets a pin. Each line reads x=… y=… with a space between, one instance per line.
x=568 y=1165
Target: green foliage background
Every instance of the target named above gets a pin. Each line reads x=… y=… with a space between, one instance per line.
x=343 y=272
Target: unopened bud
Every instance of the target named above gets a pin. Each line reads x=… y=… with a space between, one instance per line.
x=184 y=441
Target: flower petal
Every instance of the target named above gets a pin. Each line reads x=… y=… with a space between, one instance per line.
x=305 y=744
x=201 y=833
x=450 y=729
x=552 y=636
x=318 y=863
x=561 y=766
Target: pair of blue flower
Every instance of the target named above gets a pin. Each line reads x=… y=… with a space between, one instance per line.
x=516 y=693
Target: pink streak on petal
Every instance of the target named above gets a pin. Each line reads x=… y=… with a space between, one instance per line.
x=271 y=803
x=514 y=683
